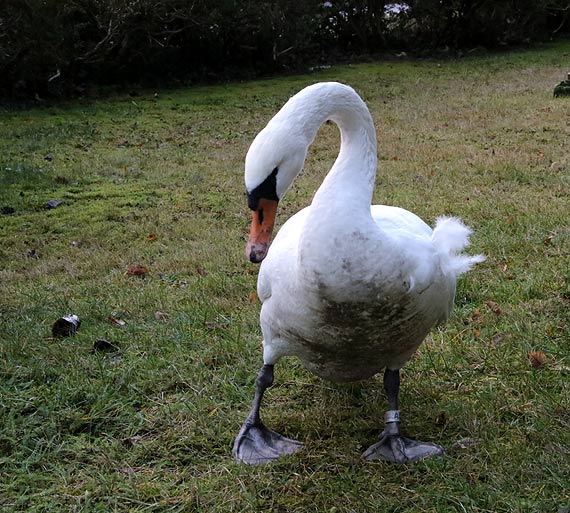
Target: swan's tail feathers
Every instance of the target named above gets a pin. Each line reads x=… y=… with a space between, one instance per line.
x=450 y=236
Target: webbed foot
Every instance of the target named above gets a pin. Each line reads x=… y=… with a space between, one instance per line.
x=256 y=444
x=392 y=446
x=399 y=449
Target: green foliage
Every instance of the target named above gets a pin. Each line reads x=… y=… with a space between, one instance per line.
x=50 y=47
x=158 y=180
x=486 y=23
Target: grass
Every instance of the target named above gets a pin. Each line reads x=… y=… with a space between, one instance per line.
x=157 y=180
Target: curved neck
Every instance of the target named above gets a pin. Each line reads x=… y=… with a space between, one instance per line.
x=350 y=182
x=349 y=185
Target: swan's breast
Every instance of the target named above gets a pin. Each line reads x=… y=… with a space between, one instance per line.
x=348 y=340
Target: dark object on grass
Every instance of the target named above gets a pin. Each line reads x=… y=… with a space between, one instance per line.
x=49 y=157
x=52 y=204
x=102 y=345
x=7 y=210
x=563 y=89
x=66 y=326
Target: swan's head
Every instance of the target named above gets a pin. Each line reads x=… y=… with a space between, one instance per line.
x=274 y=159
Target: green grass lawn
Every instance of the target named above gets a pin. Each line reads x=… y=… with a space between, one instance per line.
x=157 y=180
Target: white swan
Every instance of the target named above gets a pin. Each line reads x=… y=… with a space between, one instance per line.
x=348 y=288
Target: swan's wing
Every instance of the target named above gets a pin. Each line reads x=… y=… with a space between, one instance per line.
x=409 y=243
x=280 y=263
x=397 y=220
x=412 y=239
x=406 y=229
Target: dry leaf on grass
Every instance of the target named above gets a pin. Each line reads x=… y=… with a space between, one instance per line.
x=115 y=321
x=136 y=270
x=252 y=297
x=498 y=338
x=201 y=271
x=537 y=359
x=508 y=275
x=494 y=307
x=476 y=317
x=161 y=316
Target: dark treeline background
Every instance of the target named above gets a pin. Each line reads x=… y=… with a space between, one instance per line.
x=63 y=47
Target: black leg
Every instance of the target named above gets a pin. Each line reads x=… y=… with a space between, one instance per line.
x=263 y=381
x=392 y=388
x=255 y=443
x=392 y=446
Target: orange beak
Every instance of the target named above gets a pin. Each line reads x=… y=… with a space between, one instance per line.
x=262 y=223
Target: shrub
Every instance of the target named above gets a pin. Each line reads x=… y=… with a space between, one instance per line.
x=50 y=47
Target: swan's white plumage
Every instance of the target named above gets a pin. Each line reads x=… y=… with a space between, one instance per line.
x=450 y=236
x=347 y=287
